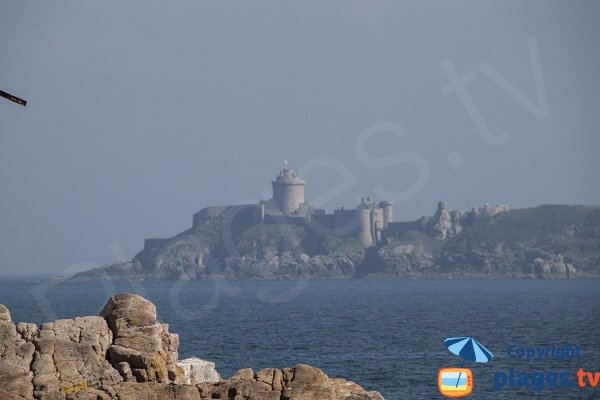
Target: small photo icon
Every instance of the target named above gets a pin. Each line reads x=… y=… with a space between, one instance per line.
x=455 y=382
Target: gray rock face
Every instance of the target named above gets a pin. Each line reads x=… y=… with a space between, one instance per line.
x=127 y=354
x=290 y=266
x=445 y=223
x=441 y=222
x=407 y=259
x=184 y=257
x=70 y=354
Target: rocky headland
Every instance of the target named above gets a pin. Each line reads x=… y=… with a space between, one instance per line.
x=549 y=241
x=126 y=354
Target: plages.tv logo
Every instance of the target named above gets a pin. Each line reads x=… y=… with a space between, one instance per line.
x=458 y=382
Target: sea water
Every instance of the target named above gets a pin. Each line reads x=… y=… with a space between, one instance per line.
x=384 y=334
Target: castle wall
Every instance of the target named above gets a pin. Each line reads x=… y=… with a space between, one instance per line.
x=243 y=218
x=341 y=223
x=151 y=243
x=253 y=211
x=284 y=219
x=364 y=234
x=207 y=213
x=360 y=223
x=347 y=223
x=322 y=224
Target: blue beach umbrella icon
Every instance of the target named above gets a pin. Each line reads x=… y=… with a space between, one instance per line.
x=468 y=348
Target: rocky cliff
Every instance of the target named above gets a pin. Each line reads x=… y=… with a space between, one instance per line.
x=126 y=354
x=551 y=241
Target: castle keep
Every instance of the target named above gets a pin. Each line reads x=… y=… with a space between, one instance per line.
x=288 y=191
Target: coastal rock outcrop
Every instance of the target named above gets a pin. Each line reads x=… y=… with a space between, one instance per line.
x=444 y=224
x=407 y=259
x=302 y=382
x=126 y=354
x=142 y=349
x=553 y=266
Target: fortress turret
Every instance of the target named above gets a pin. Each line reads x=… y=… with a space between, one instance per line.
x=366 y=222
x=365 y=226
x=388 y=212
x=288 y=191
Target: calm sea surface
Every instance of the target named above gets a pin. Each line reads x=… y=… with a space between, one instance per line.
x=386 y=335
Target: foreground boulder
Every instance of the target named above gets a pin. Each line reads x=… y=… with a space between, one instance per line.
x=142 y=349
x=126 y=354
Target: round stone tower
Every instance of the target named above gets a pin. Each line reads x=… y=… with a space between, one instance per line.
x=388 y=211
x=288 y=191
x=365 y=224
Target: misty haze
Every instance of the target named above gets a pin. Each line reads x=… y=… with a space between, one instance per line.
x=299 y=200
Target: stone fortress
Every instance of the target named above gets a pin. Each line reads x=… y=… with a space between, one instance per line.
x=285 y=237
x=367 y=222
x=370 y=222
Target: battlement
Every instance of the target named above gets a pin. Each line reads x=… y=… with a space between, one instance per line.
x=288 y=177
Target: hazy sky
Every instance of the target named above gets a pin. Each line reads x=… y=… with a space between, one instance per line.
x=142 y=113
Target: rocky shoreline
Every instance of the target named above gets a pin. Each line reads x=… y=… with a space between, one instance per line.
x=125 y=353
